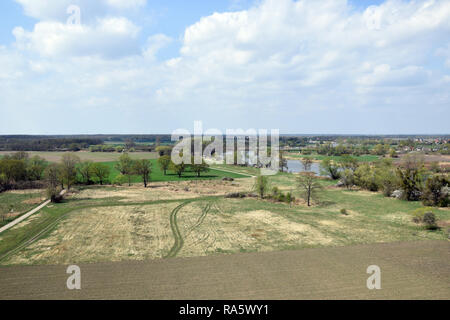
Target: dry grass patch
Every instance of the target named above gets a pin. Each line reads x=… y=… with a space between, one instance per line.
x=167 y=190
x=104 y=234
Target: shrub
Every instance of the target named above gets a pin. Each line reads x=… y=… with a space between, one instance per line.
x=289 y=198
x=419 y=213
x=429 y=219
x=344 y=212
x=261 y=186
x=281 y=197
x=275 y=192
x=236 y=195
x=426 y=216
x=120 y=179
x=54 y=195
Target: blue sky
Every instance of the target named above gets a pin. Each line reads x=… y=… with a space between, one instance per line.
x=145 y=66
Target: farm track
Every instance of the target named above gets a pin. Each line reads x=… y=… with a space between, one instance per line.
x=178 y=237
x=178 y=244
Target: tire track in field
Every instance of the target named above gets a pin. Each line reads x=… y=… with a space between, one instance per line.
x=178 y=244
x=202 y=217
x=179 y=241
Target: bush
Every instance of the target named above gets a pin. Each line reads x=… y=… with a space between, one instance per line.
x=236 y=195
x=419 y=213
x=344 y=212
x=54 y=195
x=289 y=198
x=429 y=219
x=275 y=192
x=120 y=180
x=426 y=217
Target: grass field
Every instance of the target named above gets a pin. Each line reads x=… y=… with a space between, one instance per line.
x=157 y=174
x=192 y=218
x=14 y=203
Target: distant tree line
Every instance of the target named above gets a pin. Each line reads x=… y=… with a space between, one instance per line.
x=23 y=143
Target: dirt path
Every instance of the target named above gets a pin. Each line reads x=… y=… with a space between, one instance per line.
x=24 y=216
x=409 y=270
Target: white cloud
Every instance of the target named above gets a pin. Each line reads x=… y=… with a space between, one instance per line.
x=156 y=43
x=302 y=66
x=56 y=9
x=110 y=37
x=125 y=4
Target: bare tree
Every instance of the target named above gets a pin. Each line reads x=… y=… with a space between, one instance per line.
x=308 y=185
x=307 y=164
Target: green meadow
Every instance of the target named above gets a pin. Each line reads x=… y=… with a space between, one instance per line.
x=157 y=174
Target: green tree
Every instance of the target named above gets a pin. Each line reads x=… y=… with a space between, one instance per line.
x=164 y=150
x=85 y=169
x=387 y=178
x=309 y=186
x=36 y=167
x=366 y=177
x=125 y=166
x=379 y=149
x=348 y=162
x=436 y=191
x=101 y=171
x=13 y=170
x=143 y=168
x=393 y=153
x=177 y=168
x=199 y=168
x=348 y=178
x=410 y=175
x=261 y=185
x=69 y=163
x=52 y=176
x=329 y=168
x=164 y=163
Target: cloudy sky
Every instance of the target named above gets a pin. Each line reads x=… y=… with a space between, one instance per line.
x=147 y=66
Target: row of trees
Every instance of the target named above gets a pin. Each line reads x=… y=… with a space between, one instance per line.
x=17 y=168
x=165 y=162
x=410 y=180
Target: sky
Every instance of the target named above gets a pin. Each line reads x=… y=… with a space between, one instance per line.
x=153 y=66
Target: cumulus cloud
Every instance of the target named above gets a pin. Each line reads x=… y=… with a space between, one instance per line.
x=56 y=9
x=110 y=37
x=302 y=66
